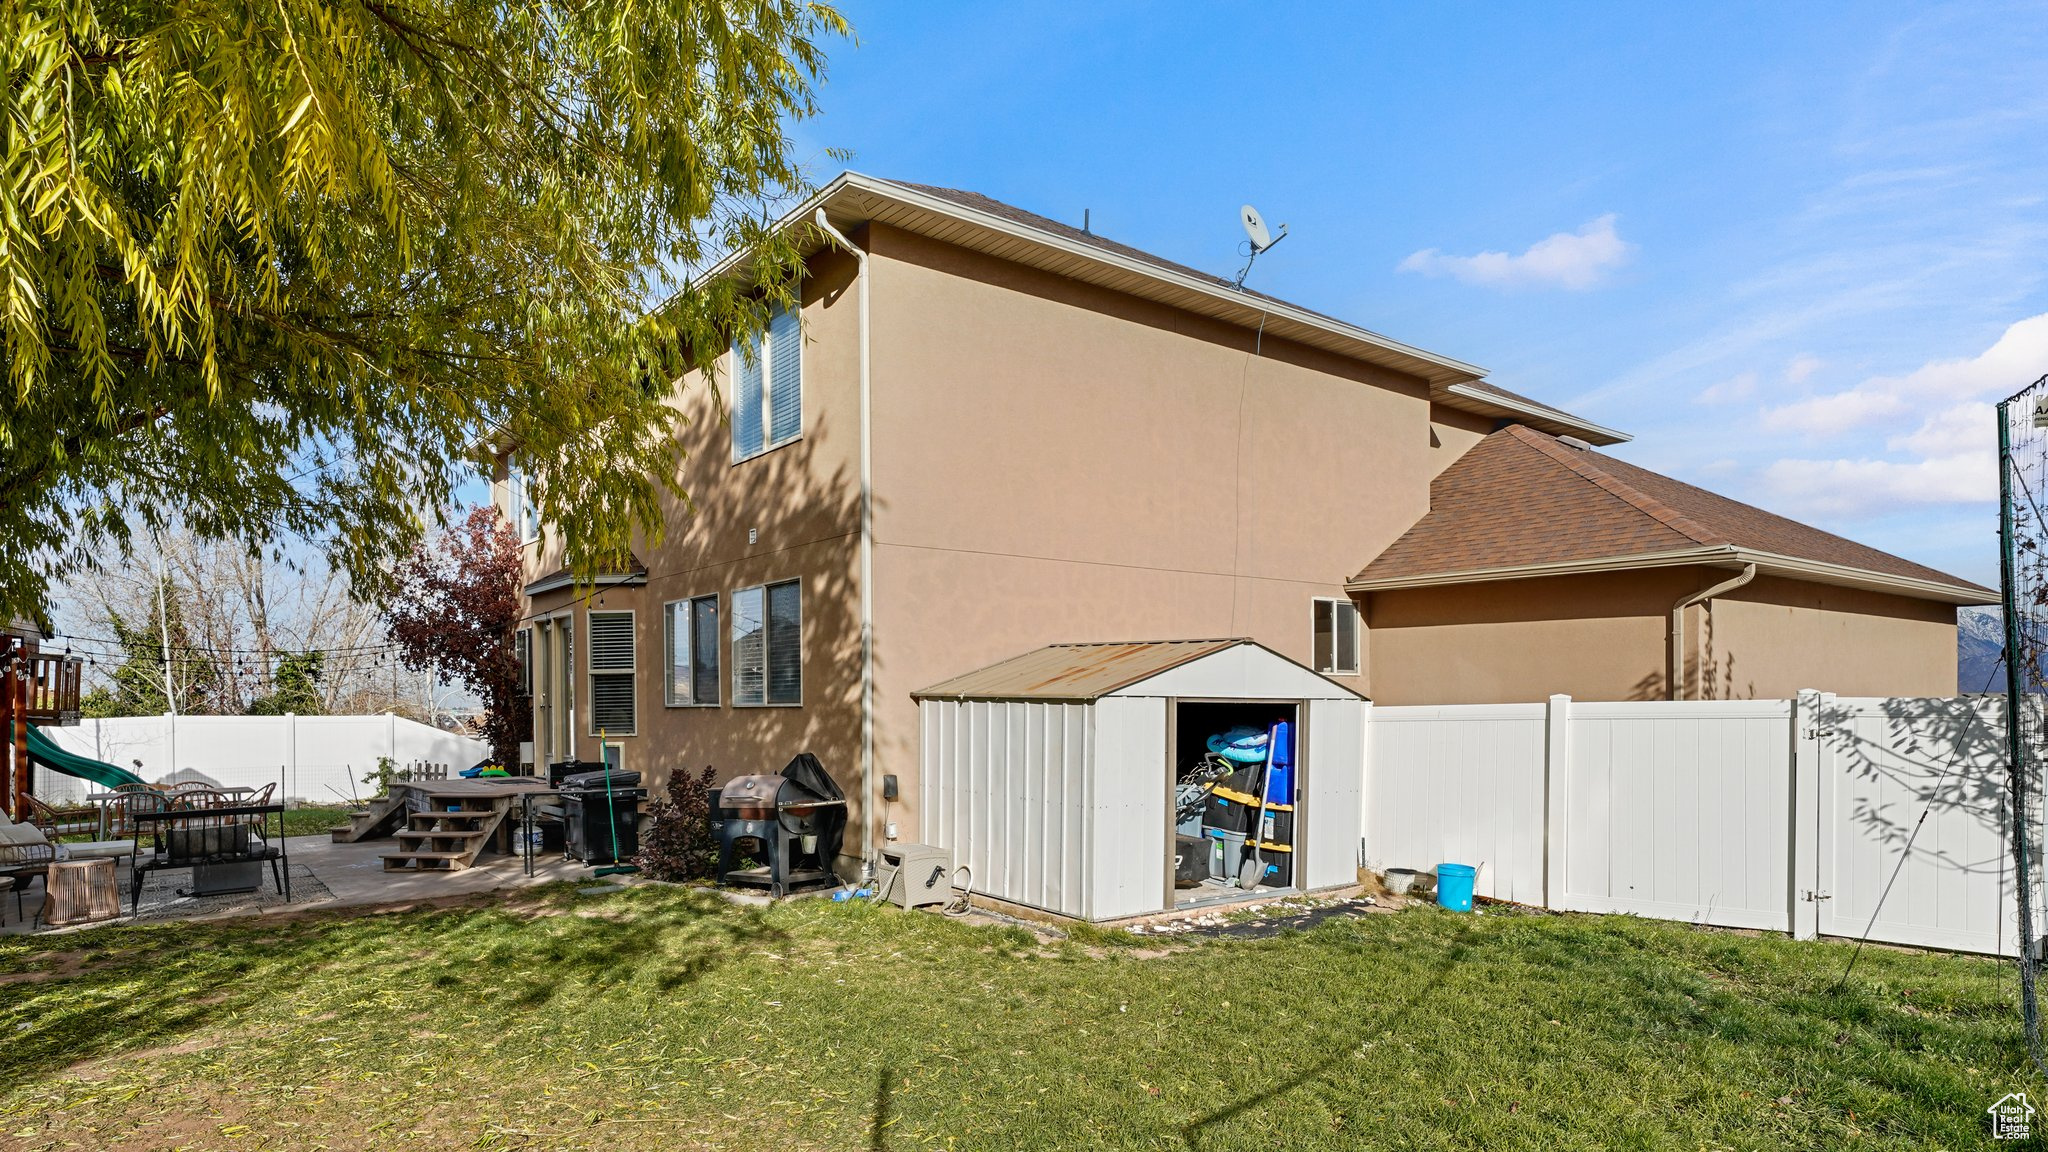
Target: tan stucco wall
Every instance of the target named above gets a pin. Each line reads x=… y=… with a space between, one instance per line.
x=1452 y=433
x=801 y=500
x=1776 y=636
x=1054 y=462
x=1590 y=637
x=1604 y=637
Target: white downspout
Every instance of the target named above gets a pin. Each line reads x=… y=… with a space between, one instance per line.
x=867 y=564
x=1676 y=642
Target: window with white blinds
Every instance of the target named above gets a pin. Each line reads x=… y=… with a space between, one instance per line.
x=519 y=503
x=785 y=643
x=768 y=386
x=1336 y=637
x=611 y=649
x=767 y=644
x=691 y=639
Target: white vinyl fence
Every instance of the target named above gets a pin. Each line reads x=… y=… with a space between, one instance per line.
x=316 y=759
x=1785 y=815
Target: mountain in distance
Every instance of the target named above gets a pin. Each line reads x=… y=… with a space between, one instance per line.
x=1980 y=639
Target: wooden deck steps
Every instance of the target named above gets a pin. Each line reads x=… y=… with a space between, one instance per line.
x=441 y=834
x=448 y=833
x=369 y=821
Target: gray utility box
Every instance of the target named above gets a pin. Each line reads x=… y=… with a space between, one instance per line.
x=916 y=874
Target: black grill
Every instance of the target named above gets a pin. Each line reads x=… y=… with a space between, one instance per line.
x=792 y=823
x=586 y=834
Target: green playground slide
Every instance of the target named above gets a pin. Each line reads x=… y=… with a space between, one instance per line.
x=44 y=751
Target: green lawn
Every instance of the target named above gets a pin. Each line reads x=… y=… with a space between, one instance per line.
x=312 y=821
x=664 y=1018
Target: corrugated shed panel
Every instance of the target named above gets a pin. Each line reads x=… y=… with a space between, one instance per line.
x=1127 y=874
x=1004 y=784
x=1074 y=671
x=1334 y=782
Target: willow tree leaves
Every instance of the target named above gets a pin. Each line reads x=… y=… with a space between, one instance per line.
x=295 y=266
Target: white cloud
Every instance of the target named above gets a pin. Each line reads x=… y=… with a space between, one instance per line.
x=1738 y=387
x=1869 y=487
x=1949 y=455
x=1564 y=259
x=2012 y=363
x=1742 y=385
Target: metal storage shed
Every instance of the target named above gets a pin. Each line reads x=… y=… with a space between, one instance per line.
x=1051 y=773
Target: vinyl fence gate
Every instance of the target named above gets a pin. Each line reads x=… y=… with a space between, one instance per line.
x=1782 y=815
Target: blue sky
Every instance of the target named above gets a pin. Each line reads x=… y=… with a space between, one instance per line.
x=1794 y=249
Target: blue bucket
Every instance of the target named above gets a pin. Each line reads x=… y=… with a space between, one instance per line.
x=1454 y=886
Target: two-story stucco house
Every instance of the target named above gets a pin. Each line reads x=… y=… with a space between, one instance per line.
x=986 y=431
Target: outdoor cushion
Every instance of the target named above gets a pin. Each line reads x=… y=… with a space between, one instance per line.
x=15 y=835
x=96 y=850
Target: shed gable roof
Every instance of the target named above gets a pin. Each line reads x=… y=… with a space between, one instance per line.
x=1075 y=671
x=1085 y=672
x=1523 y=503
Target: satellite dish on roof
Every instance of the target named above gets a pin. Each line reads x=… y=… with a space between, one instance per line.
x=1261 y=237
x=1255 y=227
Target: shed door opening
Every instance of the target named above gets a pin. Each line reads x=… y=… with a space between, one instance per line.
x=1236 y=799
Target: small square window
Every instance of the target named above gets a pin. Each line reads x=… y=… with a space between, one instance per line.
x=1336 y=637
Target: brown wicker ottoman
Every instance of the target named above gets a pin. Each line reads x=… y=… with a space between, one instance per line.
x=80 y=891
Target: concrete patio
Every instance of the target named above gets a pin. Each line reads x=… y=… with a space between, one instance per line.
x=352 y=875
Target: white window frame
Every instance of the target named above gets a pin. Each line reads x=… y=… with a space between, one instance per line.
x=524 y=516
x=670 y=698
x=1357 y=635
x=768 y=386
x=630 y=674
x=522 y=649
x=554 y=713
x=732 y=638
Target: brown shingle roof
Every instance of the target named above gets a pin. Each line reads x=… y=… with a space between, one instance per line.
x=1522 y=498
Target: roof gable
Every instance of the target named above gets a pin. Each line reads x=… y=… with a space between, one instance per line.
x=984 y=224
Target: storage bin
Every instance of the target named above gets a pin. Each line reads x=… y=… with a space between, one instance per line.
x=1226 y=815
x=1277 y=825
x=1190 y=860
x=1225 y=850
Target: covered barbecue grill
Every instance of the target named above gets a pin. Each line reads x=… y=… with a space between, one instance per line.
x=793 y=822
x=593 y=822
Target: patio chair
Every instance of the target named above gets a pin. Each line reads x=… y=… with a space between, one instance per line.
x=26 y=853
x=129 y=799
x=66 y=821
x=196 y=798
